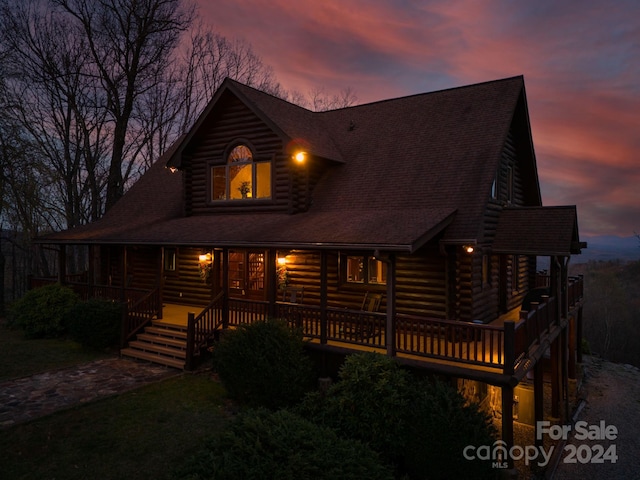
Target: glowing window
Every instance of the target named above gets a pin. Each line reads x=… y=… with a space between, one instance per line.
x=365 y=270
x=242 y=177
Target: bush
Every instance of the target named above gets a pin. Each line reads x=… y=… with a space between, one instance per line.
x=264 y=364
x=368 y=403
x=261 y=444
x=95 y=323
x=420 y=427
x=439 y=429
x=41 y=311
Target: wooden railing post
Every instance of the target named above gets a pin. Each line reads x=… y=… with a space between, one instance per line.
x=124 y=330
x=191 y=335
x=509 y=347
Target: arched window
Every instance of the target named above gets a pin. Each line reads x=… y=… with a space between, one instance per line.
x=242 y=177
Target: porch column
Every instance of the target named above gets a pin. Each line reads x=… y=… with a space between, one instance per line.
x=579 y=335
x=62 y=264
x=538 y=398
x=564 y=371
x=323 y=297
x=225 y=288
x=507 y=420
x=272 y=281
x=573 y=345
x=390 y=333
x=555 y=378
x=123 y=296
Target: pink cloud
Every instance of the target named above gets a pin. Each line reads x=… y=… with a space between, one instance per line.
x=579 y=60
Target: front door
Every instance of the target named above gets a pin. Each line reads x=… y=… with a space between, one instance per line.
x=247 y=274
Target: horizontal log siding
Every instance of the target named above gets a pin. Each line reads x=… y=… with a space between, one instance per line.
x=143 y=267
x=486 y=297
x=184 y=286
x=235 y=122
x=420 y=284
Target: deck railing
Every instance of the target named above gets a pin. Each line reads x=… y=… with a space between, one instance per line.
x=464 y=342
x=500 y=347
x=247 y=311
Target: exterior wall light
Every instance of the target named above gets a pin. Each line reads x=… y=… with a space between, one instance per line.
x=468 y=248
x=205 y=258
x=205 y=262
x=282 y=260
x=300 y=157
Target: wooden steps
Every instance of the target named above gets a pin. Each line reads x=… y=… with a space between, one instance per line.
x=161 y=343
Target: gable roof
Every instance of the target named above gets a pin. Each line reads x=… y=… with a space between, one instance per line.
x=538 y=231
x=406 y=170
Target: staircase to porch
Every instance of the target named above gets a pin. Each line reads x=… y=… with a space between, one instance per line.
x=162 y=343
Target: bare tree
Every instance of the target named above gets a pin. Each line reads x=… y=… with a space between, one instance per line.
x=131 y=42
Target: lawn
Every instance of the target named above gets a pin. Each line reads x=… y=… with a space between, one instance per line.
x=20 y=357
x=142 y=434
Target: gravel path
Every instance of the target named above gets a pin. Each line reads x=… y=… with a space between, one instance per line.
x=612 y=397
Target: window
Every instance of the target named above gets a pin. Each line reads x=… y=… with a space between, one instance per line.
x=242 y=177
x=169 y=259
x=509 y=184
x=365 y=270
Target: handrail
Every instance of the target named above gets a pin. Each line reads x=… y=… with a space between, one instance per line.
x=201 y=328
x=139 y=314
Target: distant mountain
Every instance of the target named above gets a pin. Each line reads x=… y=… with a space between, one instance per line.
x=609 y=247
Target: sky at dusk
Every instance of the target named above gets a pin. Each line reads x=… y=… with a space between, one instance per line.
x=580 y=61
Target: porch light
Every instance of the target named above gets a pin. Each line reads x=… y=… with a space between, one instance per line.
x=205 y=258
x=173 y=169
x=282 y=260
x=300 y=157
x=468 y=248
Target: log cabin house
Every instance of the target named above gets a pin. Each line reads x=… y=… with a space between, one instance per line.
x=410 y=227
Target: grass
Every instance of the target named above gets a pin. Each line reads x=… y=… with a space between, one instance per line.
x=143 y=434
x=21 y=357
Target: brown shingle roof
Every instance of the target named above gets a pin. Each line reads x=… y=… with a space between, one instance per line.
x=407 y=168
x=538 y=231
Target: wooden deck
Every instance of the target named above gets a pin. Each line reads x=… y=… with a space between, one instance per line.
x=482 y=351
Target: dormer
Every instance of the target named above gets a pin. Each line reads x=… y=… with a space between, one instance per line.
x=250 y=151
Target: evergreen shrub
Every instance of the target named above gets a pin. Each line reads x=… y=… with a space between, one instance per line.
x=264 y=364
x=41 y=312
x=261 y=444
x=95 y=323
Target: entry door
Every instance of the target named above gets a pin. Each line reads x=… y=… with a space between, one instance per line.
x=247 y=274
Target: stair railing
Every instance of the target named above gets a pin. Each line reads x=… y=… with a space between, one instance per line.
x=139 y=314
x=201 y=328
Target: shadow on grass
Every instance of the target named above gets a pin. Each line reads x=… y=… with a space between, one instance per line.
x=143 y=434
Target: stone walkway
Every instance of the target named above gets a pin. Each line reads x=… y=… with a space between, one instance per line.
x=25 y=399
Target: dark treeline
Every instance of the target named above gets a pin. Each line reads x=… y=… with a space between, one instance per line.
x=612 y=309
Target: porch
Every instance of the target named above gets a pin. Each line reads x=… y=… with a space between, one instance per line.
x=491 y=352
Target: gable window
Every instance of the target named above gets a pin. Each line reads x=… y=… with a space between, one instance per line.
x=365 y=270
x=242 y=177
x=509 y=184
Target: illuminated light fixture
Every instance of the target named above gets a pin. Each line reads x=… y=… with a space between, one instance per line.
x=468 y=248
x=205 y=258
x=282 y=260
x=300 y=157
x=173 y=169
